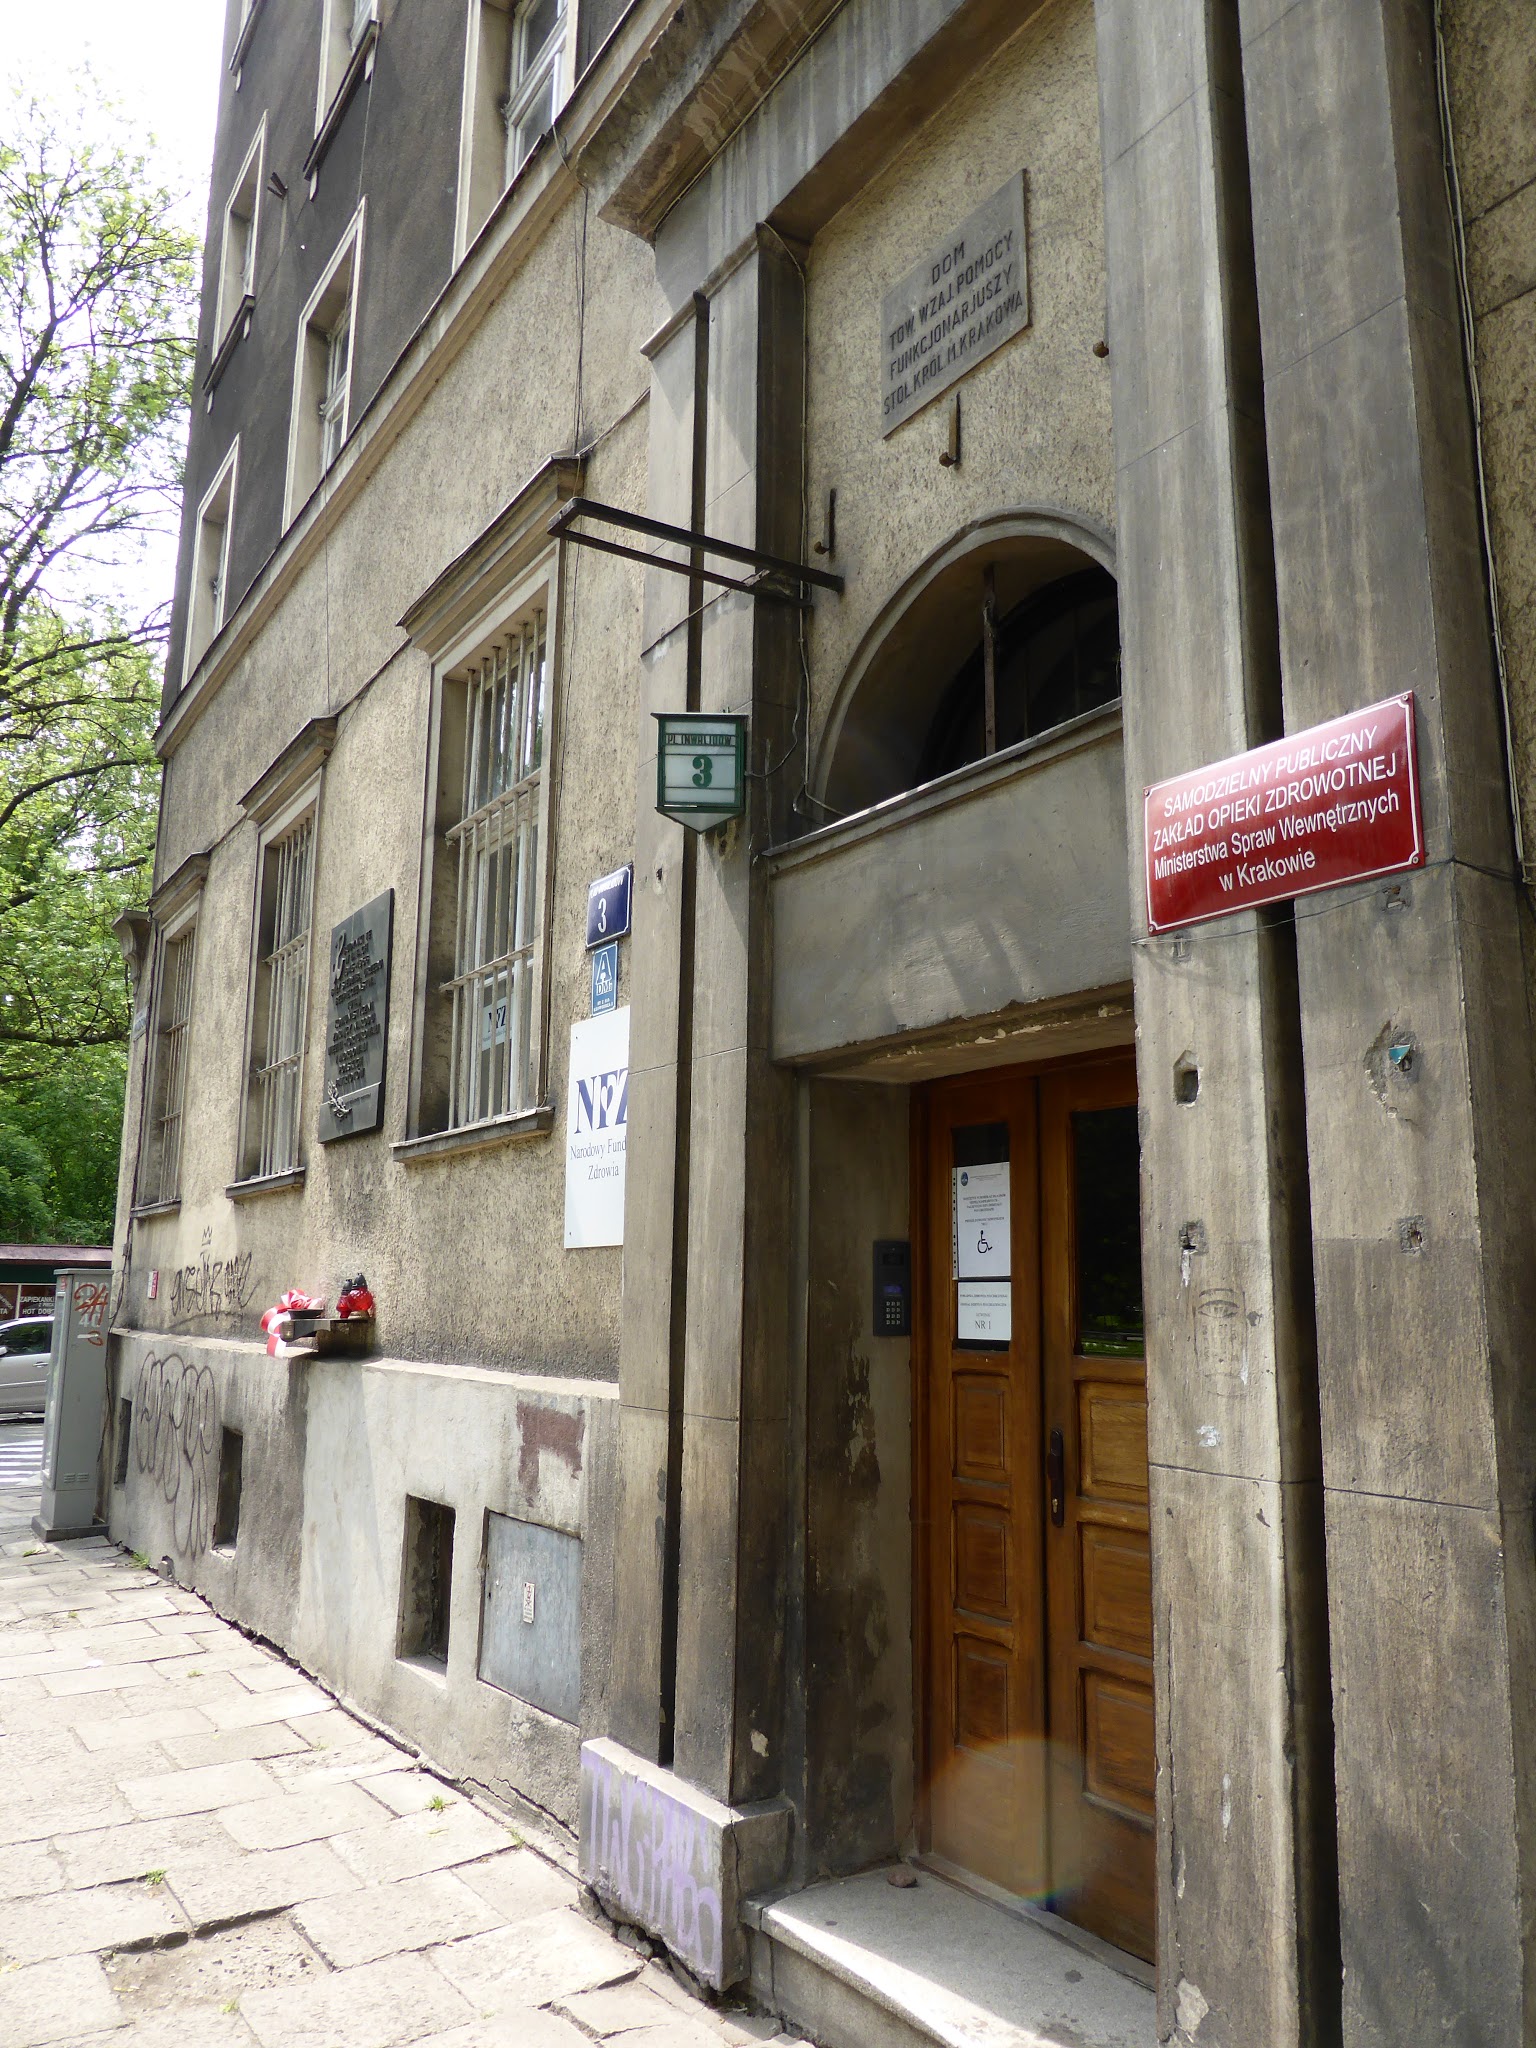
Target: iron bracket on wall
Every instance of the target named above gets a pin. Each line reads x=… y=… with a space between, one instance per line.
x=776 y=577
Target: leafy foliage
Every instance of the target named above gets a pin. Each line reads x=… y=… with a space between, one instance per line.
x=96 y=336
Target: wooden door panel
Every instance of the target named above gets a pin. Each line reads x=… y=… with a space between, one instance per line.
x=983 y=1538
x=984 y=1765
x=1117 y=1743
x=981 y=1427
x=1038 y=1756
x=1098 y=1564
x=984 y=1719
x=1112 y=1440
x=1116 y=1574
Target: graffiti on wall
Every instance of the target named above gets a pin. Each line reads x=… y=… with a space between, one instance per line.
x=654 y=1858
x=91 y=1301
x=211 y=1288
x=176 y=1442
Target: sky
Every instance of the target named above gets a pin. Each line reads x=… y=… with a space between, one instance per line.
x=158 y=60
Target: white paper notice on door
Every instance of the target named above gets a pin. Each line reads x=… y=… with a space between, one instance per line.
x=985 y=1312
x=982 y=1219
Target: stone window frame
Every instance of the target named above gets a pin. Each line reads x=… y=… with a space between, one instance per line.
x=276 y=804
x=208 y=589
x=349 y=31
x=249 y=10
x=175 y=909
x=491 y=49
x=512 y=568
x=332 y=304
x=239 y=246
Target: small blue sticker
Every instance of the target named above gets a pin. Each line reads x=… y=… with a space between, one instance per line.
x=605 y=978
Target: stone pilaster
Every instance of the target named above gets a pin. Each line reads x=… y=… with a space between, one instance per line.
x=1423 y=1174
x=1246 y=1942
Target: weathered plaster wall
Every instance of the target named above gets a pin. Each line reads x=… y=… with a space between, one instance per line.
x=447 y=1285
x=1035 y=415
x=857 y=1683
x=331 y=1451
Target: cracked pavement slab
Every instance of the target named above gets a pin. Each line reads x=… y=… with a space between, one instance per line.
x=201 y=1847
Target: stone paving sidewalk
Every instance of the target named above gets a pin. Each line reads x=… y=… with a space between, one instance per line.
x=198 y=1847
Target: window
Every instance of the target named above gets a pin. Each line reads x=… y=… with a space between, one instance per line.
x=489 y=624
x=493 y=850
x=322 y=386
x=226 y=1514
x=160 y=1167
x=518 y=72
x=334 y=387
x=426 y=1582
x=280 y=1006
x=535 y=76
x=1055 y=655
x=347 y=28
x=249 y=9
x=237 y=260
x=123 y=1443
x=210 y=564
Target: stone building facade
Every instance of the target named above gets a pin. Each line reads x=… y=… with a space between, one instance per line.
x=1054 y=397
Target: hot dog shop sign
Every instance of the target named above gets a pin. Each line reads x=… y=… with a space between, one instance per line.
x=1338 y=803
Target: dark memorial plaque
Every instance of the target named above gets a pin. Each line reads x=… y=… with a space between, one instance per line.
x=357 y=1024
x=967 y=296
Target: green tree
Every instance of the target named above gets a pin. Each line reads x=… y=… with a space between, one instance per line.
x=97 y=309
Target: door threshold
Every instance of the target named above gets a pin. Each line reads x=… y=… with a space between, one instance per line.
x=1055 y=1924
x=857 y=1961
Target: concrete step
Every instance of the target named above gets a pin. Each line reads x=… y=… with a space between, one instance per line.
x=861 y=1963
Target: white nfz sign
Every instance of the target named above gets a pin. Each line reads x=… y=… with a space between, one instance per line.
x=969 y=295
x=596 y=1130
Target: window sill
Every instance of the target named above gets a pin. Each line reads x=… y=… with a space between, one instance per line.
x=433 y=1669
x=238 y=328
x=265 y=1184
x=243 y=40
x=143 y=1211
x=499 y=1130
x=359 y=67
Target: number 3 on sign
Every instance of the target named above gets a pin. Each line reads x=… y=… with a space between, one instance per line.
x=703 y=771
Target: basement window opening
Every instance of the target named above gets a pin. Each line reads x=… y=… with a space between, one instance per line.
x=226 y=1516
x=124 y=1438
x=426 y=1583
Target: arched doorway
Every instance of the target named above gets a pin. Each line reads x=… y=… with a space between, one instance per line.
x=955 y=756
x=1008 y=631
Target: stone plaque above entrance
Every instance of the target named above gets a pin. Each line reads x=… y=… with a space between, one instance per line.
x=967 y=296
x=357 y=1023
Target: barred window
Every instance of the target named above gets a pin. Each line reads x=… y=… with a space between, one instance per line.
x=160 y=1178
x=282 y=1002
x=495 y=844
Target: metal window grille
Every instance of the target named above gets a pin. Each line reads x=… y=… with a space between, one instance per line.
x=170 y=1090
x=284 y=970
x=497 y=847
x=538 y=41
x=333 y=397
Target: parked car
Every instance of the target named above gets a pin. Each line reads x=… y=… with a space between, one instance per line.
x=24 y=1347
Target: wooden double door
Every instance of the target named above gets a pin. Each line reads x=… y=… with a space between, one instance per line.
x=1033 y=1555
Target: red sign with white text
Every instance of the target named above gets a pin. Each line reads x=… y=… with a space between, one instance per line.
x=1339 y=803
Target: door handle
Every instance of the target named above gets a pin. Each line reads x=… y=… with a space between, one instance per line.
x=1056 y=1477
